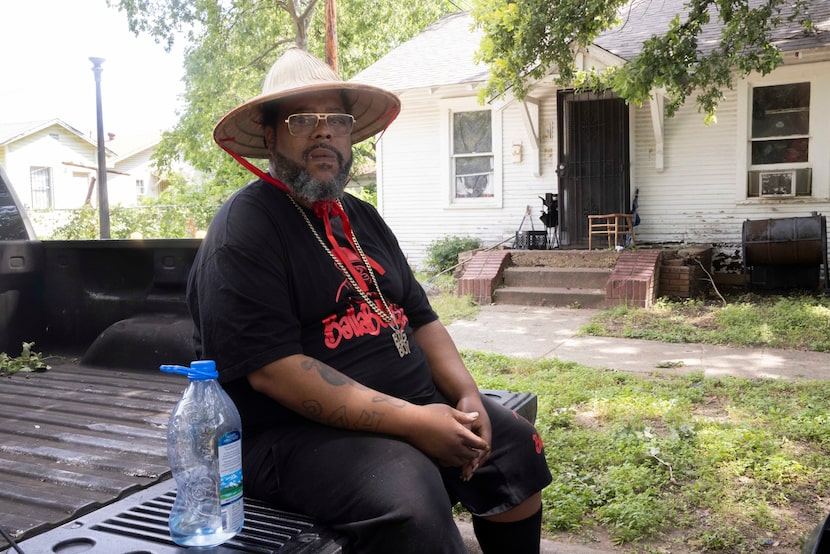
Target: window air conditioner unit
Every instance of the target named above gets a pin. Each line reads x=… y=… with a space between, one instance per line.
x=780 y=183
x=777 y=183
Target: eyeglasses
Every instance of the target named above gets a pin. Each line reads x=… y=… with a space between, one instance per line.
x=303 y=124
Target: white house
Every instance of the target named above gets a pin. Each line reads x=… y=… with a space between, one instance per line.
x=53 y=166
x=449 y=166
x=133 y=175
x=48 y=162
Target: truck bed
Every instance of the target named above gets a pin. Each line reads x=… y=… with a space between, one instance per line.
x=75 y=438
x=83 y=465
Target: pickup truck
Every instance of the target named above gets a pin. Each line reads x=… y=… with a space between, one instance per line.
x=83 y=459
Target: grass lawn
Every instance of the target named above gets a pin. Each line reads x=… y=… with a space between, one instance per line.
x=681 y=464
x=798 y=321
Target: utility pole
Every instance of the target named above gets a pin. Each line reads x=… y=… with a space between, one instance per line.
x=103 y=200
x=331 y=34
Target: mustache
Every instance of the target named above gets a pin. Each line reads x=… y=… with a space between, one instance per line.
x=324 y=146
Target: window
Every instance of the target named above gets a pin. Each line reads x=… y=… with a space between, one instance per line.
x=472 y=154
x=41 y=182
x=780 y=141
x=139 y=188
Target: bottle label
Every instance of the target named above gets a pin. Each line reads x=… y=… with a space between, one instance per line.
x=230 y=475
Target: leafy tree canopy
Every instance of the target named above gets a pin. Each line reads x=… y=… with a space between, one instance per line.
x=523 y=40
x=230 y=45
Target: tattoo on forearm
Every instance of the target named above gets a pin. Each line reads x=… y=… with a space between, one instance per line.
x=338 y=418
x=366 y=421
x=313 y=409
x=328 y=373
x=369 y=421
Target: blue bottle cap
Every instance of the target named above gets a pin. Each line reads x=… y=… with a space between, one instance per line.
x=199 y=370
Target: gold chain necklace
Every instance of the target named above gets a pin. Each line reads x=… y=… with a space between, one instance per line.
x=398 y=333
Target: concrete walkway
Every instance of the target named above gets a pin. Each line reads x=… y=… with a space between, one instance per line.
x=539 y=332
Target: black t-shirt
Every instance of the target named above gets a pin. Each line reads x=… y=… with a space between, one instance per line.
x=263 y=287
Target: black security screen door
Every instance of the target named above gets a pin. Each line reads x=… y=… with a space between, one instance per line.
x=593 y=164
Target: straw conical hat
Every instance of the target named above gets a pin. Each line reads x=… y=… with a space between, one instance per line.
x=298 y=72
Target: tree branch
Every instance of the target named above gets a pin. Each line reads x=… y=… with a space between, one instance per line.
x=711 y=280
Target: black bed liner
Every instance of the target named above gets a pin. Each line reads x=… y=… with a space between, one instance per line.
x=138 y=523
x=83 y=447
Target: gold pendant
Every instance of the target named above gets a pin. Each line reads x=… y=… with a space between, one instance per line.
x=401 y=341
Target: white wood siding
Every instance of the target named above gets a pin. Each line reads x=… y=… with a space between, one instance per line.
x=42 y=150
x=692 y=199
x=699 y=197
x=72 y=160
x=414 y=193
x=122 y=188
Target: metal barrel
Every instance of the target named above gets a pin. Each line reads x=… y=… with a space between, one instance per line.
x=784 y=241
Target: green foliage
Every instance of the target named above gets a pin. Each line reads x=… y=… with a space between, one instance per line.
x=367 y=193
x=82 y=224
x=231 y=45
x=524 y=40
x=27 y=362
x=796 y=321
x=451 y=307
x=717 y=463
x=442 y=291
x=180 y=211
x=442 y=254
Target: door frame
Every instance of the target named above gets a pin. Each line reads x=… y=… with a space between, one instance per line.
x=591 y=179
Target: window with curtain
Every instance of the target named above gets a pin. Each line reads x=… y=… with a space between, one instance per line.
x=472 y=154
x=780 y=141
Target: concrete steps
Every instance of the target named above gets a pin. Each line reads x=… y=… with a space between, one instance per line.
x=553 y=286
x=546 y=296
x=569 y=278
x=563 y=277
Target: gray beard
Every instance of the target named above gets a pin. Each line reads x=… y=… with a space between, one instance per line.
x=303 y=185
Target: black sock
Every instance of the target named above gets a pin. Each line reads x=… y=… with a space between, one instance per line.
x=515 y=537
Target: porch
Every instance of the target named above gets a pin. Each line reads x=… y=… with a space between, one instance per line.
x=583 y=278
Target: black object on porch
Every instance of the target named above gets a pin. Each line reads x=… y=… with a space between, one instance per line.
x=785 y=253
x=530 y=240
x=547 y=238
x=550 y=218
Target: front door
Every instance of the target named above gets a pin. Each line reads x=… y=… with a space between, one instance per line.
x=593 y=164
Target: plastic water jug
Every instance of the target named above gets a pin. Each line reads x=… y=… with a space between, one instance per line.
x=204 y=450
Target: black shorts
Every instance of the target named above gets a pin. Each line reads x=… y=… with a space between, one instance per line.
x=354 y=481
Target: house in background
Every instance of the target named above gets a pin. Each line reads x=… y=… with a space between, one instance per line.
x=449 y=166
x=53 y=166
x=133 y=175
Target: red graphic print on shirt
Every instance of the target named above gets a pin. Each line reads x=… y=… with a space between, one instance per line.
x=360 y=319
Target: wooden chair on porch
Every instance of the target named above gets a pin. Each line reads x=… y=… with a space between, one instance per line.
x=614 y=227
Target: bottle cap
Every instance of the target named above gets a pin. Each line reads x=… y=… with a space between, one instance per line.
x=199 y=370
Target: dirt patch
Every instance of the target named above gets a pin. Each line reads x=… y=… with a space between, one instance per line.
x=565 y=258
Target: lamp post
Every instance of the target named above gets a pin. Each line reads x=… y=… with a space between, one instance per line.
x=103 y=200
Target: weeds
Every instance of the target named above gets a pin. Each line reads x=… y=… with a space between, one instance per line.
x=799 y=322
x=720 y=464
x=27 y=362
x=683 y=463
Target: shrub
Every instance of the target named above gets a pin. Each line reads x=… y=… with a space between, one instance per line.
x=442 y=254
